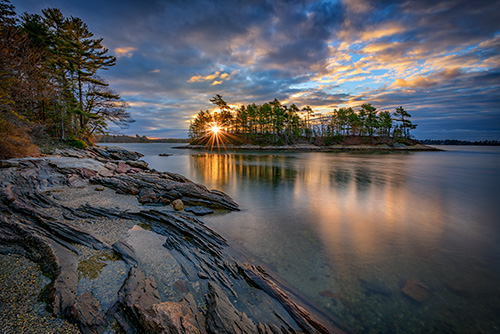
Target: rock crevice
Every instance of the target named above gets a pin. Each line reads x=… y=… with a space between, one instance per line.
x=179 y=276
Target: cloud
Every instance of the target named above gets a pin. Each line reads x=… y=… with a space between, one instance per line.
x=124 y=52
x=430 y=56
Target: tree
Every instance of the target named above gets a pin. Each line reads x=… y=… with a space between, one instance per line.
x=223 y=117
x=406 y=125
x=371 y=121
x=103 y=106
x=385 y=123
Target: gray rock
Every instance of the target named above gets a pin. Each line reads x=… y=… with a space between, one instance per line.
x=223 y=317
x=199 y=210
x=42 y=228
x=126 y=252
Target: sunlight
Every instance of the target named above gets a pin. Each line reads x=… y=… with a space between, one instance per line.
x=215 y=129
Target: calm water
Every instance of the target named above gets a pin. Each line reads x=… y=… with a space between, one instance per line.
x=347 y=231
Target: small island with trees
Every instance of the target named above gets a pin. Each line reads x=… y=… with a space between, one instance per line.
x=274 y=125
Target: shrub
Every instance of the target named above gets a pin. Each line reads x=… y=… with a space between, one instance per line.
x=15 y=142
x=77 y=143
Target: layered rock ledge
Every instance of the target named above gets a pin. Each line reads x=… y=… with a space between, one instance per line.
x=121 y=259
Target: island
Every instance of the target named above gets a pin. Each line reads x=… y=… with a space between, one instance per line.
x=276 y=126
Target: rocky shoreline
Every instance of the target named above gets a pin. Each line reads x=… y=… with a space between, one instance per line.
x=122 y=259
x=398 y=147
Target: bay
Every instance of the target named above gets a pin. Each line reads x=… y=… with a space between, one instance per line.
x=384 y=243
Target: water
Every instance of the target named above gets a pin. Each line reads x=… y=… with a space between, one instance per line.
x=348 y=231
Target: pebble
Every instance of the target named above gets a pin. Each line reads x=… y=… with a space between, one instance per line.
x=21 y=282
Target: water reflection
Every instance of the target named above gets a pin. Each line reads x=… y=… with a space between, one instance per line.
x=329 y=223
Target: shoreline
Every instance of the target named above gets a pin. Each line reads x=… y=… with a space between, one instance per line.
x=314 y=148
x=122 y=258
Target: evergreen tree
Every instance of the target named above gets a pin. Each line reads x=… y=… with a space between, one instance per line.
x=406 y=125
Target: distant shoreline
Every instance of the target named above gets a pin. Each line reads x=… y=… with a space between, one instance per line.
x=314 y=148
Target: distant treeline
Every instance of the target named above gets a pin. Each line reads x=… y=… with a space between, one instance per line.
x=460 y=142
x=138 y=139
x=274 y=123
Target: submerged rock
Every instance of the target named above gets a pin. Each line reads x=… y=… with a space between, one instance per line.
x=199 y=210
x=416 y=290
x=375 y=287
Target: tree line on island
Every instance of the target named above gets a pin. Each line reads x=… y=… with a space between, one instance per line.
x=49 y=81
x=274 y=123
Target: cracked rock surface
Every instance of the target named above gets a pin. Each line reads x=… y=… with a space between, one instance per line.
x=120 y=259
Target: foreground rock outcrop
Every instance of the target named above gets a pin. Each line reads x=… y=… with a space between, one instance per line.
x=101 y=224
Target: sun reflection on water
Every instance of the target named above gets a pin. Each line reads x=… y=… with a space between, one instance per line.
x=327 y=222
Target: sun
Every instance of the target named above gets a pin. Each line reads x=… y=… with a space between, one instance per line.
x=215 y=129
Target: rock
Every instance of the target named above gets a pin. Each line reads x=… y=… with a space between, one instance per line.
x=416 y=290
x=86 y=173
x=150 y=196
x=199 y=210
x=194 y=259
x=8 y=163
x=68 y=165
x=111 y=165
x=126 y=252
x=122 y=168
x=114 y=153
x=178 y=205
x=223 y=317
x=86 y=312
x=375 y=287
x=329 y=294
x=171 y=317
x=138 y=164
x=167 y=185
x=138 y=295
x=164 y=154
x=464 y=288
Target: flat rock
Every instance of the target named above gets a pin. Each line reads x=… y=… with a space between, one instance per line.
x=76 y=164
x=199 y=210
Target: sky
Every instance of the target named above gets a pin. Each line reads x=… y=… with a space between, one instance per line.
x=440 y=60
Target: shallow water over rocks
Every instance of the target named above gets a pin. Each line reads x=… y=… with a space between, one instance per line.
x=349 y=231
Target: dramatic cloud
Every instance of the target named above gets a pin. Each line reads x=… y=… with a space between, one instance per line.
x=438 y=59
